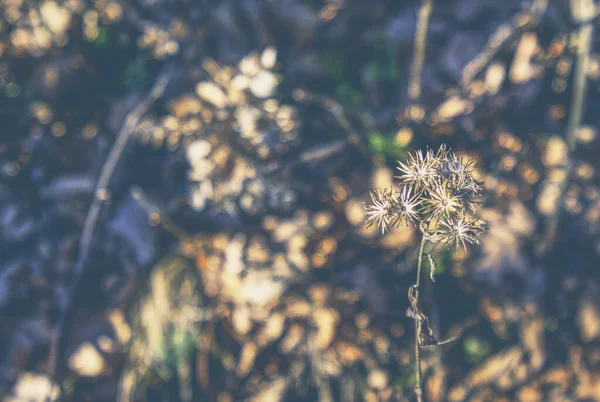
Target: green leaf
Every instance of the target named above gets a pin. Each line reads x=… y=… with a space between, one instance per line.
x=476 y=349
x=377 y=142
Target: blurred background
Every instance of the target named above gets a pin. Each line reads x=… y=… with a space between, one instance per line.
x=182 y=187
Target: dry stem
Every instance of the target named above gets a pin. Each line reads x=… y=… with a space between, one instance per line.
x=584 y=38
x=498 y=39
x=418 y=386
x=100 y=194
x=414 y=88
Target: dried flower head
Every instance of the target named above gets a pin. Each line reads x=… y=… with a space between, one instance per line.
x=405 y=207
x=460 y=230
x=442 y=201
x=379 y=211
x=468 y=190
x=453 y=168
x=419 y=171
x=438 y=191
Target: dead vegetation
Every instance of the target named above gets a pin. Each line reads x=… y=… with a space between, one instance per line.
x=225 y=255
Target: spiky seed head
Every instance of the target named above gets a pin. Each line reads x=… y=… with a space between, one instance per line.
x=442 y=201
x=419 y=170
x=438 y=190
x=379 y=210
x=460 y=230
x=441 y=153
x=405 y=207
x=467 y=191
x=453 y=167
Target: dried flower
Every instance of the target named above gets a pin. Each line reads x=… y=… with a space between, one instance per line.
x=442 y=201
x=404 y=207
x=419 y=171
x=461 y=230
x=379 y=212
x=468 y=191
x=454 y=168
x=439 y=190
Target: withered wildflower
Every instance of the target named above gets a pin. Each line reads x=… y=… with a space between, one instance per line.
x=453 y=167
x=379 y=212
x=405 y=207
x=419 y=171
x=438 y=194
x=442 y=201
x=460 y=230
x=390 y=208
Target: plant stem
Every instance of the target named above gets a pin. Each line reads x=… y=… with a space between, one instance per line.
x=582 y=12
x=418 y=386
x=100 y=193
x=414 y=88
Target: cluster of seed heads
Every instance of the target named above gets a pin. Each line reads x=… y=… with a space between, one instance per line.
x=438 y=193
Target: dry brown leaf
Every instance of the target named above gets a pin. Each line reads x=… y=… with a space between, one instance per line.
x=86 y=361
x=211 y=92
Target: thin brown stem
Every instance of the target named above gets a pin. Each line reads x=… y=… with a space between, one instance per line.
x=414 y=88
x=101 y=193
x=582 y=12
x=355 y=139
x=418 y=386
x=584 y=38
x=503 y=35
x=161 y=218
x=437 y=364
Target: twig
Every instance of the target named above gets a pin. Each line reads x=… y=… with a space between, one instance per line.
x=337 y=111
x=418 y=385
x=100 y=195
x=154 y=212
x=438 y=369
x=414 y=86
x=501 y=36
x=161 y=219
x=316 y=154
x=583 y=12
x=581 y=65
